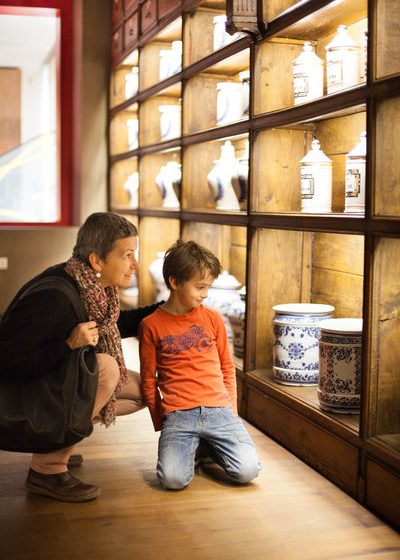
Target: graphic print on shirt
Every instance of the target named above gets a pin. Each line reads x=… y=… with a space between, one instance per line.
x=194 y=337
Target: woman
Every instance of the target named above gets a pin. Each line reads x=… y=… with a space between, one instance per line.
x=40 y=331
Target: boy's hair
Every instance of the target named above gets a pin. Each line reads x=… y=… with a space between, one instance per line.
x=185 y=258
x=99 y=233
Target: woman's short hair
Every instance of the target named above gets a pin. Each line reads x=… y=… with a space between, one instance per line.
x=185 y=258
x=99 y=233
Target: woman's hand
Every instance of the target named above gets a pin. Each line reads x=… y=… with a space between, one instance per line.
x=82 y=335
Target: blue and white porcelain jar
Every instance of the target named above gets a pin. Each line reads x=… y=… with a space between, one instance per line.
x=236 y=316
x=340 y=353
x=295 y=351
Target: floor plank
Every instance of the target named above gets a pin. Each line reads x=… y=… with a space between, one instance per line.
x=289 y=512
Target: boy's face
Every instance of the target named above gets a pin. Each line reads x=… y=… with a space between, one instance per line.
x=191 y=293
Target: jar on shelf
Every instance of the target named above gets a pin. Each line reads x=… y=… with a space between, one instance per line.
x=157 y=278
x=364 y=63
x=296 y=334
x=340 y=354
x=316 y=181
x=164 y=68
x=240 y=178
x=131 y=186
x=308 y=75
x=133 y=130
x=221 y=296
x=342 y=61
x=236 y=316
x=245 y=81
x=355 y=176
x=132 y=82
x=170 y=121
x=229 y=102
x=220 y=179
x=221 y=37
x=175 y=58
x=168 y=182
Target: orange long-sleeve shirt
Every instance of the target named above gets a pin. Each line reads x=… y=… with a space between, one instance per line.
x=185 y=361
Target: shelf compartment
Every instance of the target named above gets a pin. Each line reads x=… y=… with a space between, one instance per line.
x=198 y=161
x=273 y=73
x=155 y=235
x=121 y=139
x=150 y=166
x=151 y=129
x=120 y=90
x=384 y=419
x=387 y=55
x=198 y=34
x=387 y=150
x=317 y=268
x=123 y=181
x=149 y=63
x=275 y=8
x=204 y=86
x=276 y=179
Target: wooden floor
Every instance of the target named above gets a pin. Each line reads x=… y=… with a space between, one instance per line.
x=289 y=513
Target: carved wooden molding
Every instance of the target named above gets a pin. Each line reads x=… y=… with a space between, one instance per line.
x=242 y=16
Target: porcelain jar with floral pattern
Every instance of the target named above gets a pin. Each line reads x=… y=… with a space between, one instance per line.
x=236 y=316
x=223 y=293
x=295 y=350
x=340 y=353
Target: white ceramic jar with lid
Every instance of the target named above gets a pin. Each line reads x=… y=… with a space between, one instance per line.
x=221 y=295
x=316 y=181
x=308 y=75
x=342 y=61
x=355 y=176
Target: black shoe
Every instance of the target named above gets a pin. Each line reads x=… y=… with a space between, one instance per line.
x=63 y=487
x=75 y=460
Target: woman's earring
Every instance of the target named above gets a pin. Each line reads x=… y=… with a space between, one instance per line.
x=98 y=274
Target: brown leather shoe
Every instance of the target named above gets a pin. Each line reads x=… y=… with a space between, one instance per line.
x=63 y=487
x=75 y=460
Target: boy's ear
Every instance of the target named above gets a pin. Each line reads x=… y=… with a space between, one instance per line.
x=172 y=282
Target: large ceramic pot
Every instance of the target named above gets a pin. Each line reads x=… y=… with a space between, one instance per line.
x=236 y=316
x=168 y=181
x=340 y=351
x=156 y=274
x=222 y=294
x=221 y=177
x=295 y=351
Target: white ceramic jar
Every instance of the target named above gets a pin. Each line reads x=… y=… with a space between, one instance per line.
x=168 y=182
x=340 y=354
x=132 y=82
x=245 y=81
x=316 y=181
x=236 y=316
x=308 y=75
x=342 y=61
x=131 y=186
x=221 y=176
x=221 y=36
x=170 y=121
x=221 y=296
x=229 y=102
x=132 y=126
x=240 y=178
x=295 y=350
x=156 y=275
x=355 y=176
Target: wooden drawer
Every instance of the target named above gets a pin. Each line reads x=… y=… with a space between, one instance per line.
x=130 y=6
x=383 y=492
x=165 y=7
x=331 y=456
x=131 y=29
x=117 y=12
x=148 y=14
x=116 y=43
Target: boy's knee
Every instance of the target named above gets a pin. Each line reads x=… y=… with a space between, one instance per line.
x=172 y=479
x=245 y=471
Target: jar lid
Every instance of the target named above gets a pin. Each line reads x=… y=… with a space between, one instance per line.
x=226 y=281
x=303 y=309
x=229 y=85
x=342 y=40
x=348 y=326
x=360 y=149
x=315 y=154
x=219 y=19
x=307 y=56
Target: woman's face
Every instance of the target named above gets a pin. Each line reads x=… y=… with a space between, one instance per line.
x=120 y=264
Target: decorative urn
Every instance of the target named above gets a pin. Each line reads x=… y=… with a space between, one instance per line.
x=316 y=181
x=229 y=102
x=245 y=81
x=132 y=126
x=296 y=334
x=220 y=179
x=168 y=182
x=308 y=75
x=222 y=295
x=342 y=61
x=355 y=176
x=156 y=275
x=170 y=121
x=340 y=354
x=131 y=186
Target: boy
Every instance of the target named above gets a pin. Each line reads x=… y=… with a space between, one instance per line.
x=188 y=377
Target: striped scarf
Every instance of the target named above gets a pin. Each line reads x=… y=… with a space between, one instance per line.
x=102 y=306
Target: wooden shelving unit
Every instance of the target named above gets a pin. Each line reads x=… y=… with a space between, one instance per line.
x=280 y=253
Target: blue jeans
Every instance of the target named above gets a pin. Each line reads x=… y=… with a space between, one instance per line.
x=225 y=435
